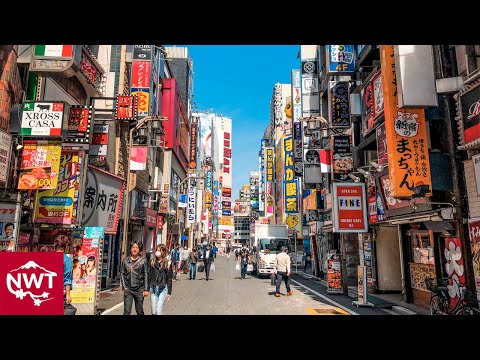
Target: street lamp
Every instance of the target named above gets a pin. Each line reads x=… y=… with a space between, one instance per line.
x=154 y=121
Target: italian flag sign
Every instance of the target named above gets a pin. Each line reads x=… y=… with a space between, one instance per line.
x=54 y=50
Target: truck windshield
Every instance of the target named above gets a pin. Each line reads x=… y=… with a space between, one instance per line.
x=274 y=245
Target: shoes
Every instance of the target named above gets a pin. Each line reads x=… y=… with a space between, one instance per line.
x=207 y=279
x=290 y=293
x=278 y=295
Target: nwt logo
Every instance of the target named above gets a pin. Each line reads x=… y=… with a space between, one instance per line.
x=31 y=281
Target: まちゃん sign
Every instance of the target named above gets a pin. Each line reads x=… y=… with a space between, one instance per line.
x=31 y=283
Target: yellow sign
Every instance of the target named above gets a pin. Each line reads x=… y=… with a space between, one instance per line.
x=291 y=221
x=56 y=206
x=39 y=166
x=406 y=134
x=225 y=220
x=143 y=102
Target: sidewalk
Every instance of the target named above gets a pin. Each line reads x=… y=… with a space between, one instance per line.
x=381 y=301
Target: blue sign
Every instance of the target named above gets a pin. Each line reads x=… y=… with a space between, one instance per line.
x=215 y=187
x=93 y=232
x=183 y=237
x=208 y=179
x=56 y=201
x=183 y=198
x=340 y=59
x=227 y=212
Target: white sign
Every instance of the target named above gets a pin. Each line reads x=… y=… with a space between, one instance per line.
x=192 y=192
x=476 y=168
x=406 y=124
x=5 y=150
x=98 y=150
x=42 y=118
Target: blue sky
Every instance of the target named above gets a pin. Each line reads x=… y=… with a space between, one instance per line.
x=237 y=81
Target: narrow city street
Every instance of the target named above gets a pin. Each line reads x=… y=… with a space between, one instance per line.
x=226 y=294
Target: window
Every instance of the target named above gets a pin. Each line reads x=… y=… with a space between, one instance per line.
x=422 y=247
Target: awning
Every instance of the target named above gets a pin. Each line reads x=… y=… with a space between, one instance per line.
x=415 y=218
x=475 y=144
x=438 y=226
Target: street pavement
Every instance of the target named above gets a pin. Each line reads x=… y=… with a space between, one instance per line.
x=226 y=294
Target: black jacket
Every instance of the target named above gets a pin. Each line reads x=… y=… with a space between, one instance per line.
x=210 y=258
x=161 y=278
x=137 y=278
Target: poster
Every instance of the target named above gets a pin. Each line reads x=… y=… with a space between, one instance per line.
x=79 y=121
x=361 y=285
x=39 y=165
x=342 y=157
x=474 y=231
x=334 y=274
x=59 y=205
x=85 y=266
x=5 y=151
x=9 y=216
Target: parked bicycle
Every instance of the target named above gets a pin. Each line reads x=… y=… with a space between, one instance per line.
x=440 y=299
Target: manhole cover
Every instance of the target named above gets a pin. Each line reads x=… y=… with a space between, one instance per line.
x=327 y=311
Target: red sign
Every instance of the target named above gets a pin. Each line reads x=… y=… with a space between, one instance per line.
x=151 y=217
x=193 y=147
x=31 y=283
x=90 y=70
x=349 y=210
x=126 y=107
x=138 y=158
x=140 y=74
x=160 y=221
x=455 y=269
x=100 y=139
x=79 y=123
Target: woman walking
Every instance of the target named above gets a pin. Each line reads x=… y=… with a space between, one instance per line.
x=161 y=276
x=193 y=257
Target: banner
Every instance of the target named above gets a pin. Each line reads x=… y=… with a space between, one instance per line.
x=339 y=108
x=85 y=266
x=342 y=157
x=143 y=97
x=290 y=182
x=455 y=268
x=40 y=164
x=406 y=133
x=297 y=125
x=192 y=193
x=31 y=283
x=5 y=151
x=474 y=231
x=193 y=147
x=349 y=209
x=334 y=274
x=138 y=158
x=372 y=99
x=59 y=206
x=9 y=222
x=182 y=200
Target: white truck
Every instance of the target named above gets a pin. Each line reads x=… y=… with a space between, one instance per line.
x=268 y=241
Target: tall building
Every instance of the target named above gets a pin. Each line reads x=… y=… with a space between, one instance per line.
x=181 y=67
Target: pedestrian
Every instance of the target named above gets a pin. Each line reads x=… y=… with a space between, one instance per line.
x=244 y=256
x=236 y=254
x=228 y=252
x=175 y=256
x=160 y=277
x=208 y=259
x=308 y=259
x=193 y=257
x=282 y=271
x=134 y=279
x=215 y=250
x=185 y=257
x=60 y=246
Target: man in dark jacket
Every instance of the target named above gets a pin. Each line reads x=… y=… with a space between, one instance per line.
x=207 y=259
x=134 y=279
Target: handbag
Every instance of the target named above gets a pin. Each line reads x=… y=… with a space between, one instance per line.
x=250 y=267
x=237 y=267
x=69 y=309
x=212 y=267
x=273 y=279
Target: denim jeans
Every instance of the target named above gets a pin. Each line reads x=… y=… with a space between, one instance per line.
x=128 y=297
x=193 y=269
x=282 y=275
x=243 y=269
x=158 y=300
x=175 y=270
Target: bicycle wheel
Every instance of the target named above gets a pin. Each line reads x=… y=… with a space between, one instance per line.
x=471 y=311
x=437 y=307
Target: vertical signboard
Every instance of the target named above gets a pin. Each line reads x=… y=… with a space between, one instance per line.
x=349 y=210
x=455 y=268
x=382 y=152
x=297 y=125
x=340 y=59
x=406 y=132
x=372 y=98
x=192 y=193
x=334 y=274
x=290 y=182
x=193 y=147
x=342 y=157
x=310 y=87
x=98 y=149
x=372 y=199
x=140 y=85
x=126 y=107
x=312 y=171
x=79 y=120
x=5 y=151
x=474 y=231
x=339 y=100
x=59 y=205
x=9 y=222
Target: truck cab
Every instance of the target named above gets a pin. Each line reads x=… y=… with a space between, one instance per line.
x=267 y=249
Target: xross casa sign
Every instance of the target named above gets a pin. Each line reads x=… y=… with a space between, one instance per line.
x=42 y=118
x=31 y=283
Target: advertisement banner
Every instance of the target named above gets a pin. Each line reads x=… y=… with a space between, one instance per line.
x=9 y=222
x=339 y=99
x=474 y=231
x=138 y=158
x=126 y=108
x=5 y=151
x=42 y=118
x=193 y=147
x=349 y=208
x=340 y=59
x=85 y=266
x=361 y=285
x=31 y=283
x=102 y=200
x=468 y=110
x=342 y=157
x=79 y=120
x=455 y=268
x=290 y=182
x=151 y=217
x=382 y=151
x=192 y=192
x=406 y=133
x=59 y=206
x=140 y=74
x=39 y=165
x=372 y=199
x=310 y=87
x=142 y=52
x=372 y=98
x=143 y=100
x=334 y=274
x=297 y=125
